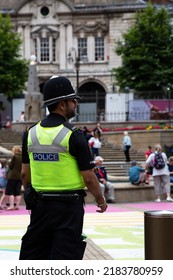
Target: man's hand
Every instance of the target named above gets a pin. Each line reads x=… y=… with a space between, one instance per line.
x=103 y=206
x=92 y=183
x=103 y=181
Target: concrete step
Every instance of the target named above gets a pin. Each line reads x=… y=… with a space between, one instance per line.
x=126 y=192
x=9 y=138
x=119 y=168
x=115 y=153
x=114 y=159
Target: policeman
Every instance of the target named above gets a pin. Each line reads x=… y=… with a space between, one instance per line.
x=57 y=163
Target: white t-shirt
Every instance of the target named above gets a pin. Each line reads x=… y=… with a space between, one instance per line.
x=97 y=144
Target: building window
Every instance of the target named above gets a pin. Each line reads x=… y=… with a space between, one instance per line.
x=99 y=49
x=44 y=49
x=82 y=49
x=44 y=11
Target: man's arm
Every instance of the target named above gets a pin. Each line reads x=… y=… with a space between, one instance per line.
x=93 y=186
x=25 y=172
x=26 y=175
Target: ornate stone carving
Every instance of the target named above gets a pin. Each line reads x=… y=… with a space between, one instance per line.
x=92 y=28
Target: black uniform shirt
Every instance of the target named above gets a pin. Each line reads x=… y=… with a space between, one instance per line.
x=78 y=146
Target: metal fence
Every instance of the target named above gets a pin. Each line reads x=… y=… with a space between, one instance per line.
x=121 y=116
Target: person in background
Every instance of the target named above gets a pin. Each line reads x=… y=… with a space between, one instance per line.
x=98 y=130
x=148 y=152
x=3 y=180
x=57 y=165
x=106 y=186
x=149 y=169
x=161 y=177
x=126 y=146
x=95 y=144
x=86 y=133
x=22 y=117
x=136 y=174
x=14 y=182
x=170 y=167
x=8 y=123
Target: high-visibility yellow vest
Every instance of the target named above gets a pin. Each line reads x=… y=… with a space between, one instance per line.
x=52 y=166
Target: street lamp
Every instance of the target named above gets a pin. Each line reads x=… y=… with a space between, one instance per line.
x=73 y=58
x=127 y=102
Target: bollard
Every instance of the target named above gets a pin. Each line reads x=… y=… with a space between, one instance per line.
x=158 y=234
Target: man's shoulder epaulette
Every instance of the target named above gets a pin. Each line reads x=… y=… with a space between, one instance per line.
x=70 y=126
x=32 y=126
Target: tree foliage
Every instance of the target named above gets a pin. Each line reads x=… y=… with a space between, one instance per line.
x=147 y=54
x=13 y=69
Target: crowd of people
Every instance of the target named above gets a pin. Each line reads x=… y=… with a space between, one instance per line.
x=141 y=174
x=138 y=174
x=11 y=183
x=156 y=166
x=93 y=138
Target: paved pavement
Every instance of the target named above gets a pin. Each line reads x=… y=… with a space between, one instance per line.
x=116 y=234
x=120 y=231
x=94 y=252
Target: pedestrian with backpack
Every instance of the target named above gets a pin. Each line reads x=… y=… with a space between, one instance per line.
x=161 y=177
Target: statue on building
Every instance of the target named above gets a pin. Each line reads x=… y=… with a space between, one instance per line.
x=33 y=97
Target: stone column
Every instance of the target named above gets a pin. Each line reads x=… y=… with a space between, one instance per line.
x=62 y=57
x=27 y=48
x=33 y=97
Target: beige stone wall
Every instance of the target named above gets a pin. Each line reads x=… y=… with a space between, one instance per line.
x=142 y=139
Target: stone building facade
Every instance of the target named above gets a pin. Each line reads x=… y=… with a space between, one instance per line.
x=74 y=38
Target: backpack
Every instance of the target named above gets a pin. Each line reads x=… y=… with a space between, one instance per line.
x=159 y=162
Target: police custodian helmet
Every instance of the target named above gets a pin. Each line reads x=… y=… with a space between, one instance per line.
x=58 y=88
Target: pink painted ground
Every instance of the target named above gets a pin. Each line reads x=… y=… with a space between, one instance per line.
x=123 y=207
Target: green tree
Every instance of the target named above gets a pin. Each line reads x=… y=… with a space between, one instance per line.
x=147 y=54
x=13 y=69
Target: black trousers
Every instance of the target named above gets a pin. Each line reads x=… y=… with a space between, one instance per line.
x=127 y=153
x=55 y=231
